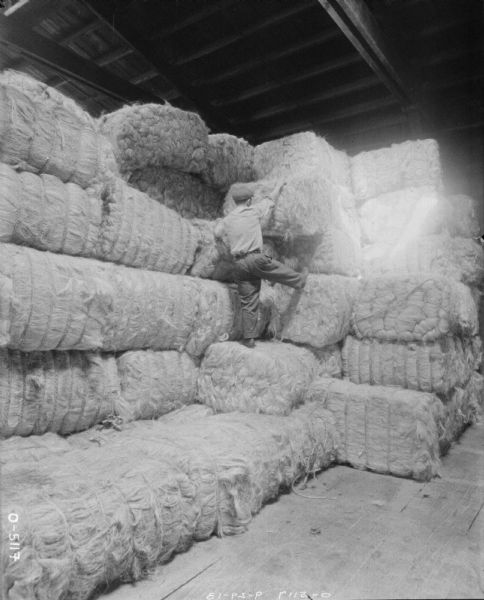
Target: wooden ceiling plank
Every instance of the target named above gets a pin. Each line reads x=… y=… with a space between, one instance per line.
x=242 y=34
x=334 y=92
x=192 y=19
x=359 y=26
x=68 y=63
x=88 y=27
x=320 y=38
x=344 y=113
x=326 y=67
x=151 y=53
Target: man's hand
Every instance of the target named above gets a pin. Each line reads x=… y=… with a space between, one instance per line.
x=277 y=189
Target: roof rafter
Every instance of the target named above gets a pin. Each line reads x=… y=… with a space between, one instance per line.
x=351 y=111
x=151 y=53
x=360 y=27
x=66 y=62
x=271 y=85
x=328 y=94
x=240 y=35
x=288 y=50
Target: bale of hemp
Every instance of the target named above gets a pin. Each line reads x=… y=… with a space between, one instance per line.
x=461 y=409
x=335 y=251
x=229 y=159
x=299 y=152
x=420 y=163
x=139 y=232
x=409 y=164
x=457 y=258
x=33 y=448
x=61 y=392
x=395 y=215
x=156 y=135
x=437 y=366
x=335 y=165
x=383 y=429
x=182 y=192
x=318 y=315
x=57 y=302
x=271 y=378
x=155 y=488
x=155 y=383
x=219 y=315
x=307 y=205
x=212 y=259
x=460 y=215
x=43 y=131
x=45 y=213
x=52 y=301
x=422 y=307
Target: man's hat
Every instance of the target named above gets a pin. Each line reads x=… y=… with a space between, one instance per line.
x=241 y=192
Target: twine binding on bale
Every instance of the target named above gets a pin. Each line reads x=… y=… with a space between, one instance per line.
x=387 y=430
x=155 y=135
x=422 y=307
x=319 y=315
x=61 y=392
x=437 y=366
x=44 y=213
x=300 y=152
x=182 y=192
x=45 y=132
x=56 y=302
x=155 y=383
x=455 y=258
x=172 y=485
x=270 y=379
x=139 y=232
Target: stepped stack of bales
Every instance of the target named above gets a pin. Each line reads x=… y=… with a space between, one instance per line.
x=117 y=349
x=412 y=355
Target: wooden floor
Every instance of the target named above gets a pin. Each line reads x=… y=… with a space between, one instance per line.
x=369 y=536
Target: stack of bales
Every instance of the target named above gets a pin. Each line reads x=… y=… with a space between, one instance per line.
x=170 y=155
x=102 y=328
x=316 y=208
x=103 y=351
x=410 y=364
x=65 y=217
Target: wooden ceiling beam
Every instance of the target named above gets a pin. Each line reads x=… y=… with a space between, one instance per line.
x=88 y=27
x=288 y=50
x=258 y=90
x=330 y=93
x=106 y=11
x=242 y=34
x=309 y=124
x=194 y=18
x=357 y=23
x=66 y=62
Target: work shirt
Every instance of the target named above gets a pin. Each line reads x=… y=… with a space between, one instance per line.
x=241 y=229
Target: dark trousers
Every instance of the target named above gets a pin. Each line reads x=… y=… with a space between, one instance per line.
x=249 y=271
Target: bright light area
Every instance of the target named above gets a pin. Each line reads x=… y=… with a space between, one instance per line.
x=419 y=218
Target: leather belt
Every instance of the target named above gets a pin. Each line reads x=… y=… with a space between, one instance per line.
x=243 y=255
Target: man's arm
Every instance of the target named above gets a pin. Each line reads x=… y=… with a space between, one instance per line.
x=265 y=206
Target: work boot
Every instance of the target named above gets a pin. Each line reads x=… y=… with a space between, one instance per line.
x=249 y=342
